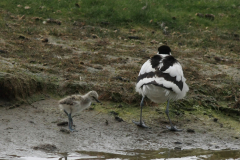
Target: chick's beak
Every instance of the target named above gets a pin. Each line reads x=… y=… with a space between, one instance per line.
x=97 y=100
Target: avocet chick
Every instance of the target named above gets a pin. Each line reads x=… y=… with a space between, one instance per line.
x=76 y=103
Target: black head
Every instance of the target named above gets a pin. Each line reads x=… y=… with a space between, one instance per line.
x=164 y=50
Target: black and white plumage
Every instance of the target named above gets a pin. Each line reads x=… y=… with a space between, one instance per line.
x=77 y=103
x=161 y=79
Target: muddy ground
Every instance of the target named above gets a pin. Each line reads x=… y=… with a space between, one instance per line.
x=31 y=130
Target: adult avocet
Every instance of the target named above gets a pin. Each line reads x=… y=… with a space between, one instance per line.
x=161 y=79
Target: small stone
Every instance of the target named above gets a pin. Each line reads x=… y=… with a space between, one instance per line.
x=53 y=21
x=64 y=131
x=22 y=37
x=221 y=125
x=217 y=58
x=37 y=18
x=215 y=119
x=217 y=147
x=114 y=113
x=62 y=124
x=98 y=67
x=119 y=106
x=46 y=147
x=190 y=130
x=118 y=119
x=2 y=51
x=180 y=44
x=133 y=37
x=199 y=14
x=77 y=5
x=154 y=42
x=27 y=7
x=8 y=128
x=210 y=16
x=32 y=61
x=94 y=36
x=178 y=148
x=45 y=40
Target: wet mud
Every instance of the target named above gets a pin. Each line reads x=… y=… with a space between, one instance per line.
x=33 y=131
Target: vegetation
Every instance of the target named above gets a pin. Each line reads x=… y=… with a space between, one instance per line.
x=90 y=38
x=178 y=15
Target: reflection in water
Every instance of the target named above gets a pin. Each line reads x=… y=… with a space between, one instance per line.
x=194 y=154
x=160 y=154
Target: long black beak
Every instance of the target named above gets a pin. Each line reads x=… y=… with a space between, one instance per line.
x=97 y=100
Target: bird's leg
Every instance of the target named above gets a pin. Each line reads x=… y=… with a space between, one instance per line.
x=70 y=122
x=172 y=128
x=65 y=112
x=141 y=123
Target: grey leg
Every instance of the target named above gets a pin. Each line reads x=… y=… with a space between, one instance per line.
x=65 y=112
x=70 y=121
x=141 y=123
x=171 y=128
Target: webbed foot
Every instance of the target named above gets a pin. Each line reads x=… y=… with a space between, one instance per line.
x=173 y=128
x=140 y=124
x=73 y=130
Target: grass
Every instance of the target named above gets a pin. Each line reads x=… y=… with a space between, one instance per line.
x=186 y=29
x=130 y=13
x=72 y=49
x=155 y=115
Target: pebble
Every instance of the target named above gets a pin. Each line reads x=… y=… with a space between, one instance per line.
x=45 y=40
x=62 y=124
x=64 y=131
x=178 y=148
x=190 y=130
x=118 y=119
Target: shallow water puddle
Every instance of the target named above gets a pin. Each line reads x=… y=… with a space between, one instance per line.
x=195 y=154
